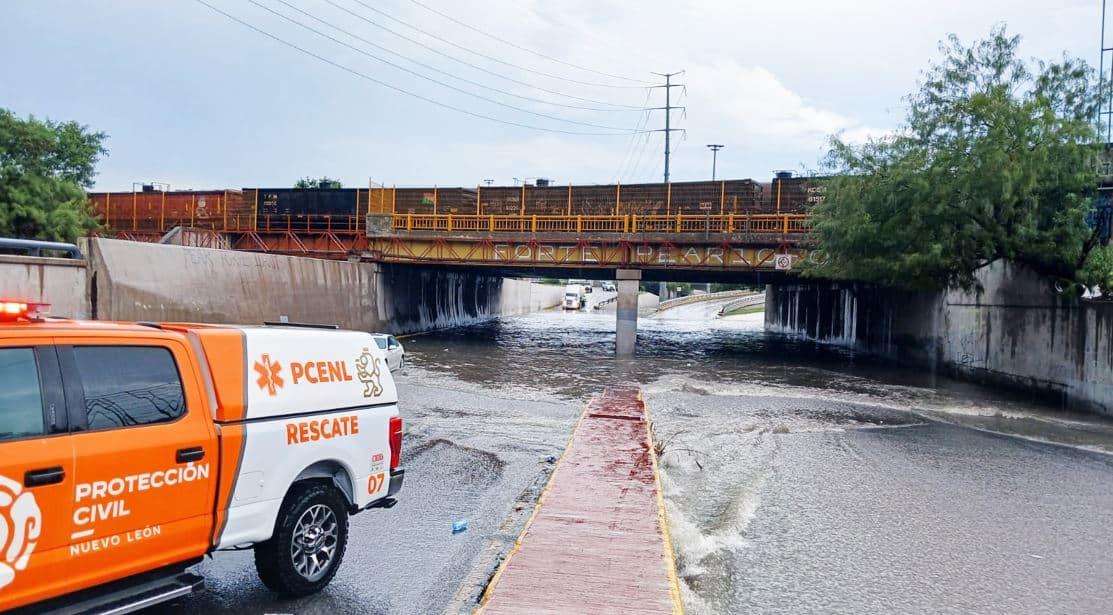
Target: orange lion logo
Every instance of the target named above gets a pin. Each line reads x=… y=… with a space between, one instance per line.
x=20 y=526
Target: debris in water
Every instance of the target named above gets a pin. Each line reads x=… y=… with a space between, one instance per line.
x=551 y=459
x=1034 y=556
x=459 y=526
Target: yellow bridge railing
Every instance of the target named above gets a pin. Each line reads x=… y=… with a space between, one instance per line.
x=771 y=224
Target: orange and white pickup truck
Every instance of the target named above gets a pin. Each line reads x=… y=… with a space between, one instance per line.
x=130 y=451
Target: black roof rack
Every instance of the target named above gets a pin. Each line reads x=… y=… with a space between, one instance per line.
x=304 y=325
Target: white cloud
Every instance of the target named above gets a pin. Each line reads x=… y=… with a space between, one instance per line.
x=750 y=103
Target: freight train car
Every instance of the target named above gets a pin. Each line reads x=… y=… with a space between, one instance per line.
x=792 y=195
x=434 y=200
x=310 y=201
x=154 y=211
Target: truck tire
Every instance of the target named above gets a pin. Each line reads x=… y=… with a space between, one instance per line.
x=309 y=540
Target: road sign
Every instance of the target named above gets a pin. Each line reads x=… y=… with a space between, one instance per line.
x=782 y=262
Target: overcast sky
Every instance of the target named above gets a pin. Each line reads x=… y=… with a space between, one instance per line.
x=192 y=98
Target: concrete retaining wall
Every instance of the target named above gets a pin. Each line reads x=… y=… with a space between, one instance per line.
x=126 y=280
x=57 y=281
x=1016 y=331
x=726 y=294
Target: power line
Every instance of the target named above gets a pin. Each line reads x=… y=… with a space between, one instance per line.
x=656 y=168
x=398 y=89
x=469 y=64
x=643 y=121
x=633 y=172
x=491 y=58
x=427 y=78
x=626 y=51
x=632 y=147
x=446 y=73
x=525 y=49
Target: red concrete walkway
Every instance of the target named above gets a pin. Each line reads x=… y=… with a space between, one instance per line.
x=597 y=541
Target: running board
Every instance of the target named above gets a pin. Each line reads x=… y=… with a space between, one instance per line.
x=121 y=597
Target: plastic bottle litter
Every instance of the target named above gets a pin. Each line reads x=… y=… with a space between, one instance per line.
x=459 y=526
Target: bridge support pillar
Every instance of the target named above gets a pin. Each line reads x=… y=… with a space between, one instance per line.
x=626 y=280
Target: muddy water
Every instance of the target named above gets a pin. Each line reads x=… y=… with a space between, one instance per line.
x=805 y=479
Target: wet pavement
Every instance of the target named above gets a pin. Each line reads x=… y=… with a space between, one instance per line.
x=798 y=478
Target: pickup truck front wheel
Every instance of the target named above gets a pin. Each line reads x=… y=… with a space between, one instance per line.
x=309 y=540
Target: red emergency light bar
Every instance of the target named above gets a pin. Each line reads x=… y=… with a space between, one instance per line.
x=11 y=311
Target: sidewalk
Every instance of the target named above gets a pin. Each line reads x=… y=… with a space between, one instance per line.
x=598 y=539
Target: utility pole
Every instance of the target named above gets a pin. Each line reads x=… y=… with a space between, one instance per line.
x=714 y=147
x=668 y=129
x=1105 y=87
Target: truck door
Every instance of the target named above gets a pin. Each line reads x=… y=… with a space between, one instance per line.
x=36 y=475
x=145 y=457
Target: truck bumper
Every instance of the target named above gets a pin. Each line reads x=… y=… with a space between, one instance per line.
x=396 y=477
x=388 y=501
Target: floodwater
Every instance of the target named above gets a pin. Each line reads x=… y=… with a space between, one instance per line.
x=801 y=478
x=798 y=478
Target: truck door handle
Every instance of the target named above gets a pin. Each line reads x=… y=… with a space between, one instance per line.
x=43 y=476
x=187 y=455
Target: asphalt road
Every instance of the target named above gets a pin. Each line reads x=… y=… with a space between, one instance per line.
x=470 y=454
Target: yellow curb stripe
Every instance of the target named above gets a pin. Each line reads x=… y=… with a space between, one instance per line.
x=662 y=517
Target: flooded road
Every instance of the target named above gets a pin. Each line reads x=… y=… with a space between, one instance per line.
x=803 y=479
x=797 y=478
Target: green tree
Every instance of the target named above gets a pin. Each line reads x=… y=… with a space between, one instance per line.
x=315 y=183
x=44 y=168
x=1098 y=271
x=996 y=160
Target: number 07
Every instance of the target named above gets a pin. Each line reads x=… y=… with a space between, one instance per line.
x=375 y=482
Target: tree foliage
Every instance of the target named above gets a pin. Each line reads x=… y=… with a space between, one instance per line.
x=318 y=183
x=1098 y=271
x=44 y=168
x=996 y=160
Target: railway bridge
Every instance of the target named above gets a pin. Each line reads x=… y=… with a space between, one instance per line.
x=734 y=230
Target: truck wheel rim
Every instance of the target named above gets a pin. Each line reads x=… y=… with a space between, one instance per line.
x=314 y=542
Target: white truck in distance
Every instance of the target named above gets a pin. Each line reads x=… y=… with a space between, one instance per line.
x=573 y=297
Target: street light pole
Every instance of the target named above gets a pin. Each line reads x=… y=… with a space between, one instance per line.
x=714 y=147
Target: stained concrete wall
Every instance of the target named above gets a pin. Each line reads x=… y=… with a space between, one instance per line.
x=57 y=281
x=141 y=281
x=1014 y=331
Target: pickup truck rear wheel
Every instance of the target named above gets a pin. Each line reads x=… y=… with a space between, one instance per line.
x=309 y=540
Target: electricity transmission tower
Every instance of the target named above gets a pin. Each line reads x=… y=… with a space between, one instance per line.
x=668 y=129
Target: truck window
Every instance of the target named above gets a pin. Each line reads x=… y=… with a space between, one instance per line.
x=129 y=385
x=21 y=404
